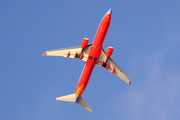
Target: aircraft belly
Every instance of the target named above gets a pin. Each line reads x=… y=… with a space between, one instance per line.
x=94 y=54
x=102 y=31
x=89 y=66
x=84 y=79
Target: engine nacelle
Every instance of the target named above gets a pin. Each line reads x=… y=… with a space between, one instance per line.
x=84 y=43
x=109 y=51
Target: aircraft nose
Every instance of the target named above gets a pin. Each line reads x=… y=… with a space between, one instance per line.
x=109 y=11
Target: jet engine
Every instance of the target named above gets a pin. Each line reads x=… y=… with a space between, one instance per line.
x=84 y=43
x=109 y=51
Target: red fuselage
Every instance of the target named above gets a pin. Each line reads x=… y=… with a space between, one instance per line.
x=93 y=54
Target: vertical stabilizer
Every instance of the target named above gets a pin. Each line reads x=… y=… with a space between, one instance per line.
x=83 y=103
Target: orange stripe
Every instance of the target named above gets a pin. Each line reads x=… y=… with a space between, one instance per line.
x=80 y=90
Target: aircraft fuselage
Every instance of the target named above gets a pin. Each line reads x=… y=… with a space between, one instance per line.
x=94 y=54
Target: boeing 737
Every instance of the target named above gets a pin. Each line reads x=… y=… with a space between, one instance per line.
x=93 y=54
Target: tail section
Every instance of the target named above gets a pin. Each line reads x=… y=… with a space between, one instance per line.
x=71 y=98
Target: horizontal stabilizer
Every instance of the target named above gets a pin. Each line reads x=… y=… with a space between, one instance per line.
x=83 y=103
x=69 y=98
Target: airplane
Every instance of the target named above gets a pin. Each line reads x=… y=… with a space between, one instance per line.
x=93 y=54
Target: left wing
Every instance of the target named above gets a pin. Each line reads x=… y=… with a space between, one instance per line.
x=111 y=66
x=74 y=52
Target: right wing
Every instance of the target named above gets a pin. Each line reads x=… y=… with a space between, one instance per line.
x=74 y=52
x=111 y=66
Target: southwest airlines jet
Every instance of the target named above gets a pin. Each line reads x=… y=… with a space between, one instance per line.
x=92 y=54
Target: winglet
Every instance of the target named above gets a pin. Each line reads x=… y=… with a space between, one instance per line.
x=44 y=54
x=130 y=83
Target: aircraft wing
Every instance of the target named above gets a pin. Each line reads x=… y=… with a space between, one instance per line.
x=112 y=67
x=74 y=52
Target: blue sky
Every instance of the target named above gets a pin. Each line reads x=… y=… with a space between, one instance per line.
x=144 y=34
